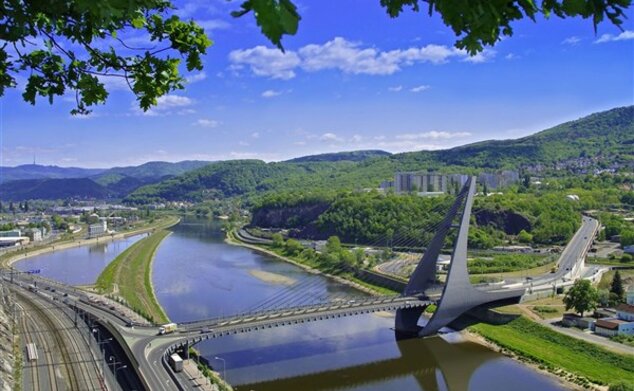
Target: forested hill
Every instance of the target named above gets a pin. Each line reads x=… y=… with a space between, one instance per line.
x=157 y=169
x=606 y=137
x=600 y=140
x=37 y=171
x=52 y=189
x=353 y=156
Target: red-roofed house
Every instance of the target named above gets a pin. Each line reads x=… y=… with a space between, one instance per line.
x=622 y=324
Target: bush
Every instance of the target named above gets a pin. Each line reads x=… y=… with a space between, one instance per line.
x=524 y=237
x=621 y=386
x=278 y=240
x=626 y=258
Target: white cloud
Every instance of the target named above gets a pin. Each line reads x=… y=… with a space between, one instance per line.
x=206 y=123
x=345 y=56
x=114 y=83
x=624 y=36
x=395 y=88
x=420 y=88
x=266 y=62
x=357 y=138
x=433 y=135
x=271 y=93
x=213 y=24
x=165 y=106
x=193 y=78
x=330 y=137
x=511 y=56
x=571 y=41
x=255 y=135
x=169 y=101
x=484 y=56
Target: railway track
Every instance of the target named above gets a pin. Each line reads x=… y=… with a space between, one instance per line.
x=74 y=367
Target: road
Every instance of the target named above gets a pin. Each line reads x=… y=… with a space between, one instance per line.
x=588 y=336
x=148 y=349
x=65 y=361
x=571 y=260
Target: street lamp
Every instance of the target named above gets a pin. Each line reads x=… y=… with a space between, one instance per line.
x=224 y=367
x=114 y=366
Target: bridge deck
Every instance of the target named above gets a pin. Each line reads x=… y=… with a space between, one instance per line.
x=214 y=328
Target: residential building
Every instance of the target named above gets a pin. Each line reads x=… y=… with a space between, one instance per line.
x=625 y=311
x=622 y=324
x=607 y=327
x=426 y=182
x=98 y=229
x=14 y=233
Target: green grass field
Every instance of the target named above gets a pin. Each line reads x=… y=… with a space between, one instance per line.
x=552 y=351
x=129 y=276
x=627 y=276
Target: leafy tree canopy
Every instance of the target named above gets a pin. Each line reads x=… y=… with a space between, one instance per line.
x=71 y=46
x=582 y=297
x=476 y=23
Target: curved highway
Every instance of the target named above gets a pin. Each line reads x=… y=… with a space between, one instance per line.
x=148 y=349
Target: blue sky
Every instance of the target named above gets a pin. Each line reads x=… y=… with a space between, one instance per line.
x=352 y=78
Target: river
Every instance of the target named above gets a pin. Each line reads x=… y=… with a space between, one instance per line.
x=78 y=265
x=197 y=275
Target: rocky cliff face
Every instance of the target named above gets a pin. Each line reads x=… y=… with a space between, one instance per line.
x=6 y=343
x=509 y=222
x=288 y=217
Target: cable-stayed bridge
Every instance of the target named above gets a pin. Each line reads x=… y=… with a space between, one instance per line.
x=299 y=303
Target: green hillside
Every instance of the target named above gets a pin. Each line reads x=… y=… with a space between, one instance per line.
x=599 y=140
x=52 y=189
x=352 y=156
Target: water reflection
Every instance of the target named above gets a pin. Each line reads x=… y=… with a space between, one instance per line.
x=197 y=276
x=78 y=265
x=362 y=353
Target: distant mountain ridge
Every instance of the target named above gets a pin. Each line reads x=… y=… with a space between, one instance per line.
x=353 y=156
x=35 y=181
x=601 y=140
x=52 y=189
x=37 y=171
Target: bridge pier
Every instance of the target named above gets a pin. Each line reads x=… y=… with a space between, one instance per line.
x=406 y=322
x=458 y=295
x=186 y=351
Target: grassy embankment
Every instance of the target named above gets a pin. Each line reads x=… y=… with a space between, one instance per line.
x=296 y=260
x=627 y=276
x=129 y=277
x=575 y=360
x=208 y=372
x=78 y=239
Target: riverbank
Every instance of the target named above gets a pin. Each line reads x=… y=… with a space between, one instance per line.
x=129 y=277
x=230 y=238
x=8 y=259
x=575 y=361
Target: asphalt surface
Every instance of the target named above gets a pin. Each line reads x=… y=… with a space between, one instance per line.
x=148 y=349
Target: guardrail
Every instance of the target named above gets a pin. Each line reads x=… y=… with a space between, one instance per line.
x=123 y=344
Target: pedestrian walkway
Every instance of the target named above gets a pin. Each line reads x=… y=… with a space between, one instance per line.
x=196 y=378
x=589 y=337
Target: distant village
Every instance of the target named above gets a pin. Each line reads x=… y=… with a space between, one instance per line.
x=89 y=221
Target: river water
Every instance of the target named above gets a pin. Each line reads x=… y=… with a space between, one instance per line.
x=196 y=275
x=77 y=265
